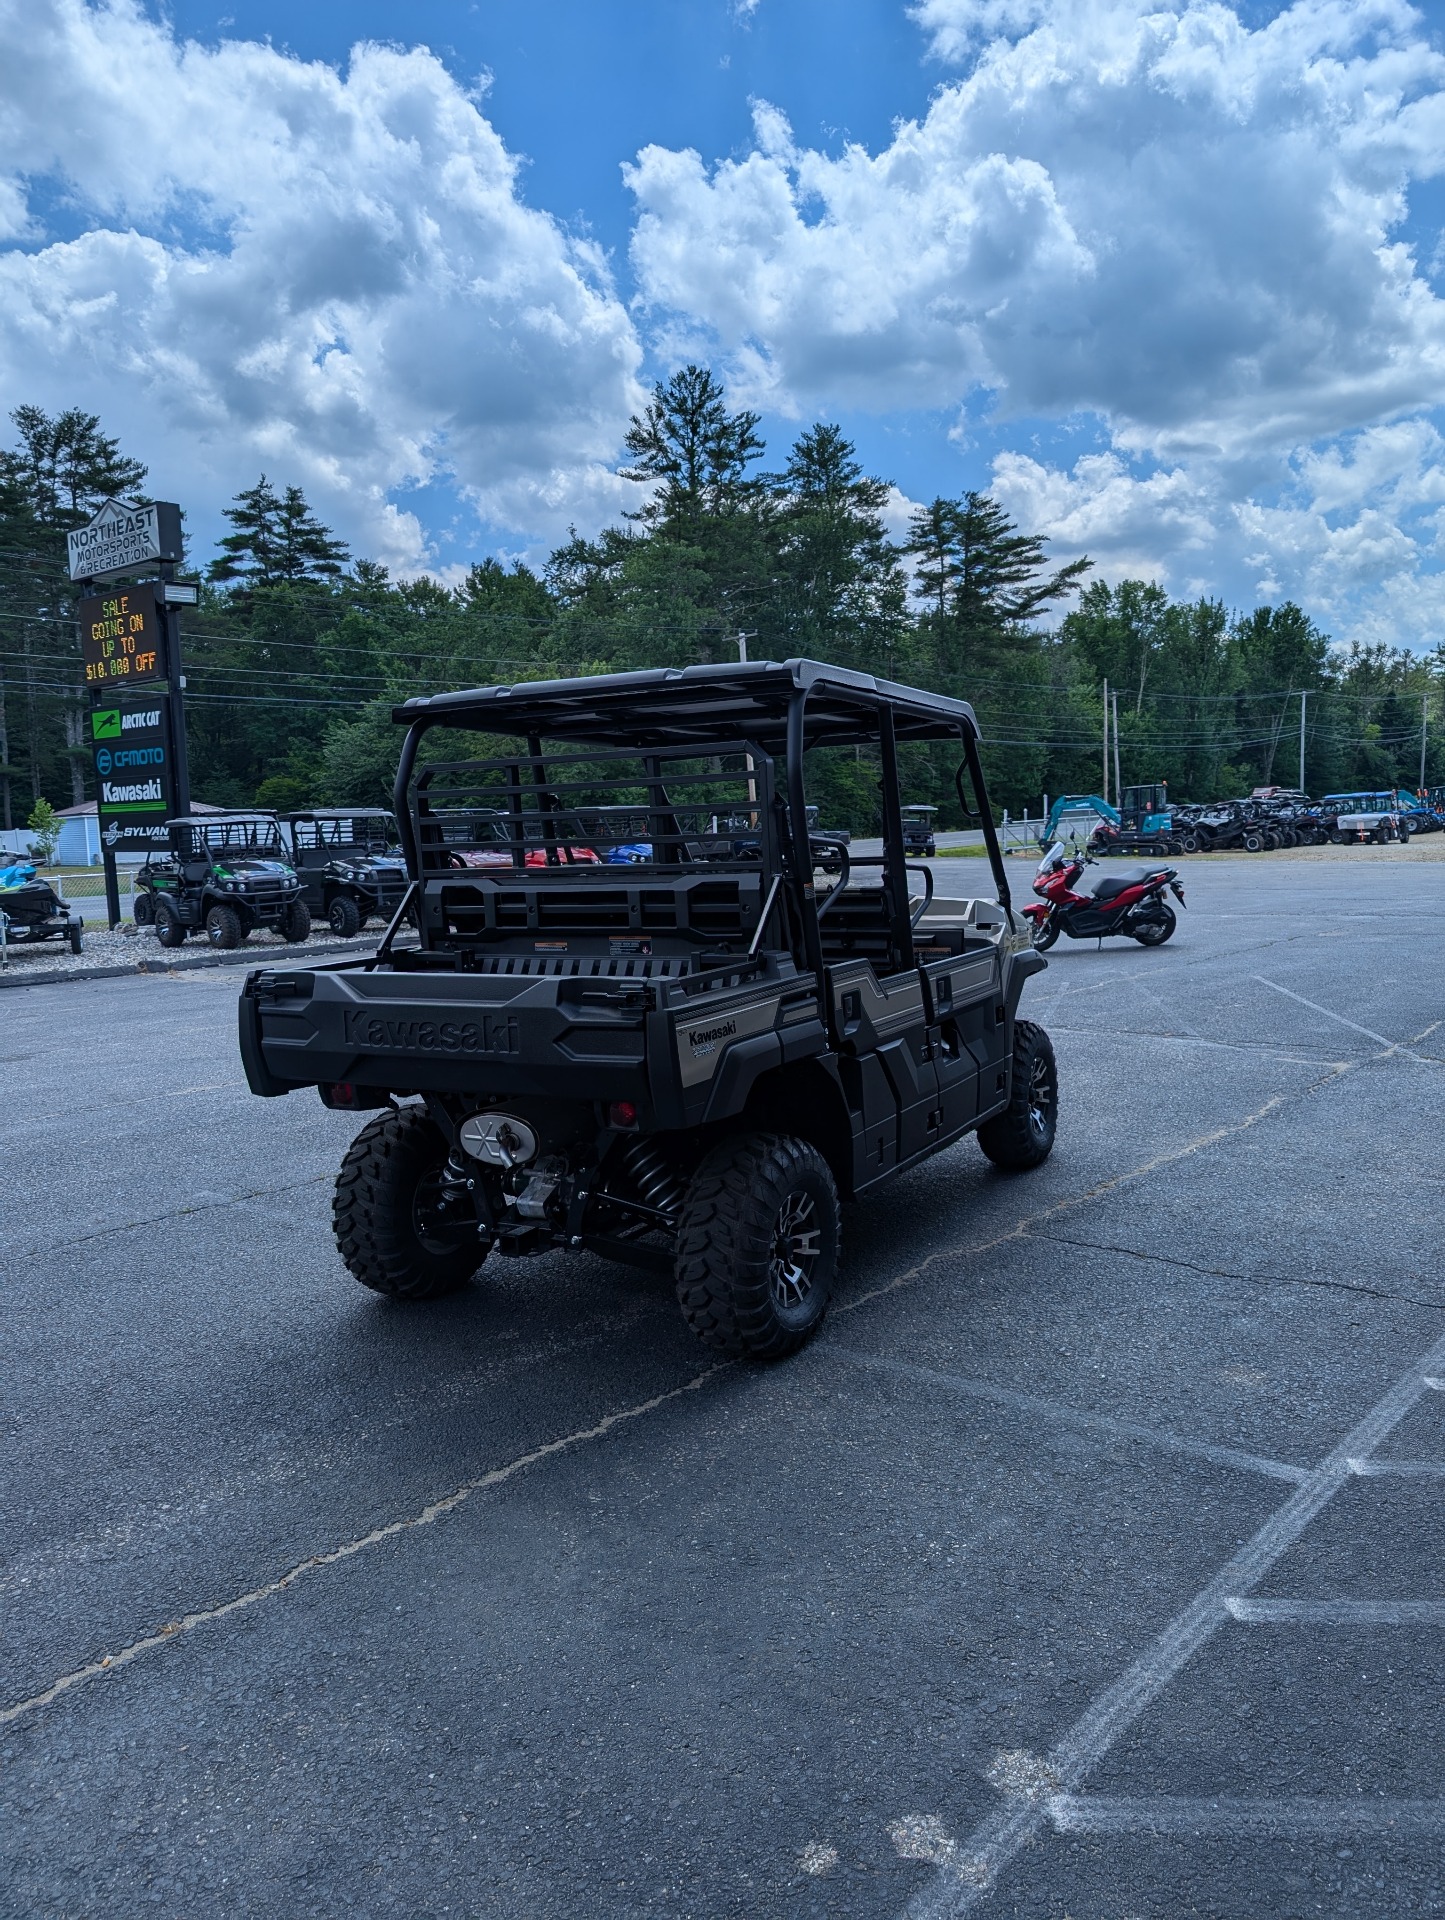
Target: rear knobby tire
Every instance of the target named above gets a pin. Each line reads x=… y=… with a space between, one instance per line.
x=1156 y=930
x=1022 y=1136
x=382 y=1213
x=170 y=928
x=143 y=909
x=757 y=1250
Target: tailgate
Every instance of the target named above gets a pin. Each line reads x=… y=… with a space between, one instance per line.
x=576 y=1039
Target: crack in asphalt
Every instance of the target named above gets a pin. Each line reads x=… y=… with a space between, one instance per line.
x=447 y=1503
x=209 y=1205
x=1248 y=1279
x=1022 y=1229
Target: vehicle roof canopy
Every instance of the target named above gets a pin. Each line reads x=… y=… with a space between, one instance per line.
x=682 y=706
x=339 y=813
x=254 y=818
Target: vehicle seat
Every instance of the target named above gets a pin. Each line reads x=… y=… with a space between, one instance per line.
x=1105 y=885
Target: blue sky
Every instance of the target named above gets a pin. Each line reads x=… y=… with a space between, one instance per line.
x=1165 y=277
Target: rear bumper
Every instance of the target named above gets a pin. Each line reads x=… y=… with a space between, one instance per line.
x=494 y=1036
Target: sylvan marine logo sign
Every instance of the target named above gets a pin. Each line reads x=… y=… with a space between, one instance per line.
x=487 y=1035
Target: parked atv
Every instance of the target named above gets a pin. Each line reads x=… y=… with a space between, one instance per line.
x=31 y=909
x=687 y=1060
x=350 y=865
x=224 y=874
x=1133 y=903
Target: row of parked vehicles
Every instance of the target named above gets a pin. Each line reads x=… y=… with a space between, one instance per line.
x=224 y=875
x=1267 y=819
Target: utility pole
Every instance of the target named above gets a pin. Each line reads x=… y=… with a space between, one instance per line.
x=1106 y=740
x=743 y=639
x=1302 y=699
x=1424 y=722
x=1118 y=780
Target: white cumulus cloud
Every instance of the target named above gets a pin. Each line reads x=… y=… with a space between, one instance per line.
x=1187 y=227
x=328 y=274
x=1163 y=216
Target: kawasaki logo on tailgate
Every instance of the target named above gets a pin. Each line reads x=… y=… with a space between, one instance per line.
x=487 y=1035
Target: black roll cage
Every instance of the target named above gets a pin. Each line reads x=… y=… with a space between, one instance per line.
x=768 y=703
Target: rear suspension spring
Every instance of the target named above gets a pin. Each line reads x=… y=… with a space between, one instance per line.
x=653 y=1178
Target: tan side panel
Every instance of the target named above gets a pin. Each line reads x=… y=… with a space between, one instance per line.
x=702 y=1042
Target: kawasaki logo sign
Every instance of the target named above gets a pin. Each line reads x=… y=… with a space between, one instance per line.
x=380 y=1034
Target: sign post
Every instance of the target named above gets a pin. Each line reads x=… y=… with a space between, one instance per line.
x=130 y=645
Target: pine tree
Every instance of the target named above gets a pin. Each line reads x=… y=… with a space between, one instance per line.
x=65 y=467
x=249 y=553
x=276 y=538
x=305 y=549
x=842 y=589
x=979 y=572
x=693 y=452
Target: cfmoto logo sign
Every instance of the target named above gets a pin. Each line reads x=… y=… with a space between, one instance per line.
x=103 y=761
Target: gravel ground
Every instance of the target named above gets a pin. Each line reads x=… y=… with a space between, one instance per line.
x=126 y=946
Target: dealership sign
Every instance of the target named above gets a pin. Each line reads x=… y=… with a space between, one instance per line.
x=134 y=774
x=122 y=638
x=125 y=534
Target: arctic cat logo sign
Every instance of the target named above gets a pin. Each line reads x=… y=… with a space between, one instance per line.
x=379 y=1034
x=704 y=1039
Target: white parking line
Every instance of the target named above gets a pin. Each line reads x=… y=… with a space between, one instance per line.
x=1405 y=1469
x=1390 y=1046
x=963 y=1882
x=1338 y=1613
x=1245 y=1818
x=1067 y=1416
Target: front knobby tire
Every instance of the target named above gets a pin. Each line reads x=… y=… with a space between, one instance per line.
x=1022 y=1136
x=296 y=927
x=389 y=1213
x=343 y=916
x=757 y=1250
x=223 y=927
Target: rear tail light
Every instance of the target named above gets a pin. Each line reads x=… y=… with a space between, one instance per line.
x=622 y=1113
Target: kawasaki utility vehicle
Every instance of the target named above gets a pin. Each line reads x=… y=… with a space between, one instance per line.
x=224 y=875
x=687 y=1060
x=350 y=865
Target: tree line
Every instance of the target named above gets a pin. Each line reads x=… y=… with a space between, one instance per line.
x=298 y=651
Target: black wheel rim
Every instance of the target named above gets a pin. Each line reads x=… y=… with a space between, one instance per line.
x=1041 y=1097
x=796 y=1251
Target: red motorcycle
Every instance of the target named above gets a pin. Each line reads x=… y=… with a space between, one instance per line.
x=1134 y=902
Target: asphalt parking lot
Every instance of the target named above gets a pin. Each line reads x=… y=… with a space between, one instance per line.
x=1089 y=1564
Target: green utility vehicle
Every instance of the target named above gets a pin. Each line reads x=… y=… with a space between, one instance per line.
x=224 y=875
